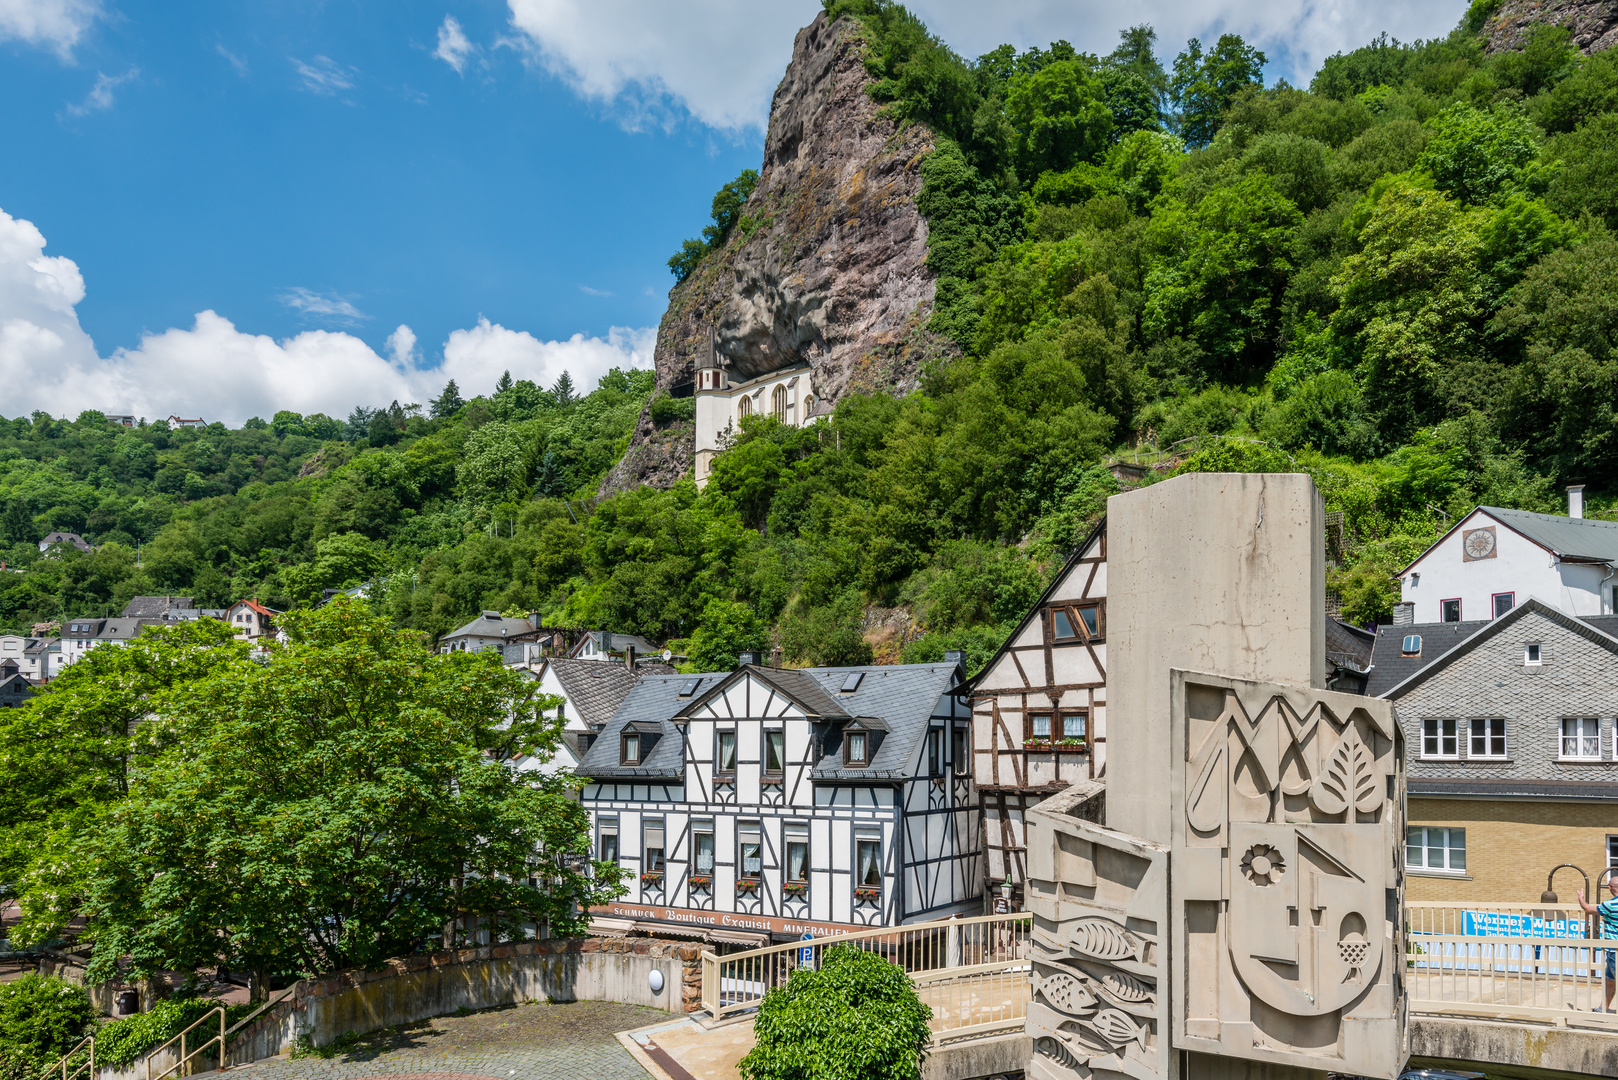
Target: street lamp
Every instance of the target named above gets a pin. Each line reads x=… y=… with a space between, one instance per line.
x=1549 y=895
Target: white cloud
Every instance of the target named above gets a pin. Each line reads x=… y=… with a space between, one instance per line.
x=402 y=347
x=324 y=305
x=99 y=99
x=218 y=372
x=720 y=60
x=324 y=76
x=453 y=47
x=235 y=61
x=54 y=24
x=587 y=291
x=475 y=358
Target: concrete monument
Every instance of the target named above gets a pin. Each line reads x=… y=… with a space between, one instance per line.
x=1242 y=915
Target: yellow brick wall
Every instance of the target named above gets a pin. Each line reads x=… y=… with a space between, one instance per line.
x=1512 y=844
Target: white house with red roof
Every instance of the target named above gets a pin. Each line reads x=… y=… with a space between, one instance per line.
x=251 y=620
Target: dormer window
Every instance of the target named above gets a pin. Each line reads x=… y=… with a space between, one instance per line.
x=856 y=749
x=630 y=754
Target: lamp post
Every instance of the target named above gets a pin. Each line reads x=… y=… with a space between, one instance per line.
x=1549 y=895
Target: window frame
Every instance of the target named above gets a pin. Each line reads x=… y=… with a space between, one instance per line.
x=1404 y=645
x=1494 y=603
x=703 y=827
x=1489 y=737
x=648 y=826
x=1083 y=716
x=625 y=740
x=608 y=827
x=1426 y=848
x=794 y=834
x=1459 y=610
x=773 y=739
x=778 y=403
x=751 y=827
x=1031 y=723
x=961 y=750
x=865 y=837
x=1072 y=612
x=935 y=751
x=850 y=760
x=719 y=767
x=1438 y=737
x=1533 y=654
x=1578 y=737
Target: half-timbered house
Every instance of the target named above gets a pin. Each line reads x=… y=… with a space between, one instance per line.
x=1039 y=710
x=768 y=801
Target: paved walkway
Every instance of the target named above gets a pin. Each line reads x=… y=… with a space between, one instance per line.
x=534 y=1041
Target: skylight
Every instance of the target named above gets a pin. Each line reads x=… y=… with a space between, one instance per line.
x=689 y=687
x=852 y=683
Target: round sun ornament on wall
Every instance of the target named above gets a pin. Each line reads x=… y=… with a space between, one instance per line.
x=1263 y=865
x=1479 y=543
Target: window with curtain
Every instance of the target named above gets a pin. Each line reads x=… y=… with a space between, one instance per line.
x=652 y=831
x=1039 y=725
x=775 y=741
x=750 y=844
x=607 y=840
x=1581 y=737
x=702 y=846
x=1073 y=726
x=797 y=852
x=868 y=858
x=725 y=760
x=856 y=749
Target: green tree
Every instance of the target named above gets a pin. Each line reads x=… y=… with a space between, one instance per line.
x=336 y=805
x=1474 y=154
x=686 y=260
x=1203 y=87
x=562 y=390
x=68 y=758
x=728 y=202
x=1059 y=118
x=447 y=403
x=727 y=630
x=493 y=468
x=856 y=1017
x=41 y=1019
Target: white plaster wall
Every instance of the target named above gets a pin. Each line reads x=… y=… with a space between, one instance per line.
x=1520 y=566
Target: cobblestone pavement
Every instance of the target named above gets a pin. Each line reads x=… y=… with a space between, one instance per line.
x=533 y=1041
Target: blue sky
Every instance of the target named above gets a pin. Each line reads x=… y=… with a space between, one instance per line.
x=320 y=174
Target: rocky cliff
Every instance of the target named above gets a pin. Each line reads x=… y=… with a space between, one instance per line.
x=1594 y=22
x=830 y=264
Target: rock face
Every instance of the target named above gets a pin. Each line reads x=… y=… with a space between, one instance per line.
x=830 y=264
x=1594 y=22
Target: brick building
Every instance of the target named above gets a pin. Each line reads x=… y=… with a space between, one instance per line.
x=1509 y=725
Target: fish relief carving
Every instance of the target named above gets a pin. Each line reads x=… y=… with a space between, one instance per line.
x=1103 y=939
x=1119 y=1028
x=1128 y=992
x=1065 y=992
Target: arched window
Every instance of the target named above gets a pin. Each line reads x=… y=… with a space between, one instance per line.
x=808 y=406
x=744 y=407
x=778 y=404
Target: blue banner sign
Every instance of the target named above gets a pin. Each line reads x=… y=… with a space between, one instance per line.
x=1498 y=924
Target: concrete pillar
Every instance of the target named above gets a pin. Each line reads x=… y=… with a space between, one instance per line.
x=1206 y=572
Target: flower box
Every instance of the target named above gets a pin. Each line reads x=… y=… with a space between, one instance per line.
x=746 y=885
x=1058 y=745
x=652 y=880
x=867 y=894
x=701 y=883
x=795 y=888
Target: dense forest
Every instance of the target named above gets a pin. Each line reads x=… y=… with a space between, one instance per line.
x=1399 y=280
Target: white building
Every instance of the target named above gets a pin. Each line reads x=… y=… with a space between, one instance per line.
x=768 y=801
x=1493 y=559
x=251 y=620
x=785 y=394
x=37 y=659
x=490 y=630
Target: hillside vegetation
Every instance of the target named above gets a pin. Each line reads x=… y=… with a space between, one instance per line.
x=1400 y=280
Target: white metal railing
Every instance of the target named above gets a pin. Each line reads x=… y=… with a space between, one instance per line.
x=973 y=973
x=1530 y=961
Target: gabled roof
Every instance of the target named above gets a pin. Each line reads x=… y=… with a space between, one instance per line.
x=1573 y=539
x=156 y=607
x=594 y=690
x=609 y=641
x=1469 y=641
x=1348 y=646
x=254 y=605
x=491 y=624
x=1033 y=611
x=902 y=697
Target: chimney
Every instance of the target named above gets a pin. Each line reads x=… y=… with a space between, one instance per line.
x=1404 y=614
x=748 y=658
x=954 y=656
x=1575 y=501
x=629 y=657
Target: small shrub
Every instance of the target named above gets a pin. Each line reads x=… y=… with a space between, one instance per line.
x=668 y=410
x=856 y=1018
x=40 y=1020
x=306 y=1048
x=122 y=1042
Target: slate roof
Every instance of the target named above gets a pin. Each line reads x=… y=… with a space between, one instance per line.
x=125 y=629
x=594 y=689
x=1574 y=539
x=1516 y=789
x=156 y=607
x=615 y=642
x=491 y=624
x=1349 y=646
x=1392 y=674
x=902 y=696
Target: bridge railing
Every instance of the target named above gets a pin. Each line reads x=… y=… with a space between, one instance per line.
x=973 y=973
x=1526 y=961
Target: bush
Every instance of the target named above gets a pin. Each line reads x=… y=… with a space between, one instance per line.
x=667 y=410
x=40 y=1020
x=121 y=1042
x=856 y=1018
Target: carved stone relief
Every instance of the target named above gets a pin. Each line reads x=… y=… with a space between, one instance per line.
x=1287 y=870
x=1100 y=906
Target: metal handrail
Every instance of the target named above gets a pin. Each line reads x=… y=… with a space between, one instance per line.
x=88 y=1040
x=186 y=1057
